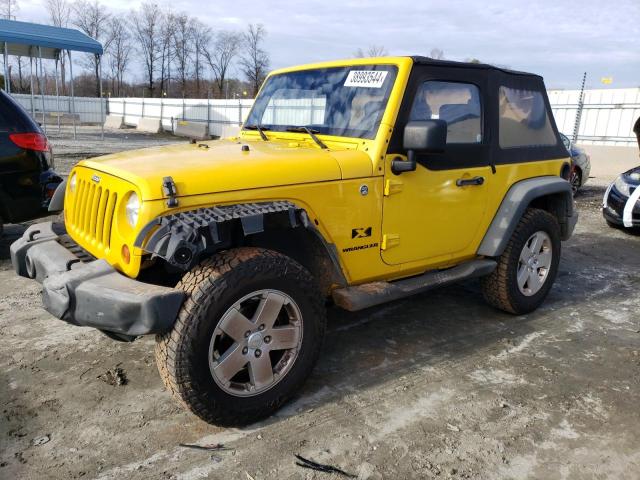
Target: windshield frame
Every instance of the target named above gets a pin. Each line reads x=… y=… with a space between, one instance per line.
x=262 y=100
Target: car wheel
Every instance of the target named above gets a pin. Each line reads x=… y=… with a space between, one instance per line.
x=575 y=180
x=246 y=338
x=528 y=267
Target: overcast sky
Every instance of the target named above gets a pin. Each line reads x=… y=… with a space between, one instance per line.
x=559 y=39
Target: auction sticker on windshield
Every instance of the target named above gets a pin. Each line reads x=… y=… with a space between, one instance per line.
x=365 y=78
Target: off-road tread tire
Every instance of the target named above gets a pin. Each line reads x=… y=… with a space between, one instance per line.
x=204 y=285
x=499 y=288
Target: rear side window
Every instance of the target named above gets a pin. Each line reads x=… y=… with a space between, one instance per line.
x=524 y=120
x=456 y=103
x=13 y=118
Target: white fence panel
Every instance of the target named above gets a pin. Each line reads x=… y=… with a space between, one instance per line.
x=608 y=115
x=87 y=108
x=607 y=118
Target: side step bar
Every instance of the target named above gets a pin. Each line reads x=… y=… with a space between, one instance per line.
x=375 y=293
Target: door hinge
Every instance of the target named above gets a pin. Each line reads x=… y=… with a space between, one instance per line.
x=392 y=186
x=390 y=240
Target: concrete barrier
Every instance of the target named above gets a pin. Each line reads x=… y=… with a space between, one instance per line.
x=199 y=131
x=229 y=131
x=149 y=125
x=114 y=122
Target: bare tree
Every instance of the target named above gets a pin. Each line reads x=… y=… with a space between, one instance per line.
x=146 y=26
x=59 y=16
x=167 y=28
x=93 y=19
x=201 y=36
x=255 y=61
x=183 y=48
x=372 y=51
x=119 y=53
x=9 y=9
x=219 y=58
x=436 y=54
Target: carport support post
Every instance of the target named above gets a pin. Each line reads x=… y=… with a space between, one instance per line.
x=44 y=121
x=57 y=91
x=7 y=80
x=73 y=98
x=33 y=107
x=99 y=60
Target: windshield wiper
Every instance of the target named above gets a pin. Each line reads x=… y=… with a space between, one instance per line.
x=260 y=130
x=312 y=134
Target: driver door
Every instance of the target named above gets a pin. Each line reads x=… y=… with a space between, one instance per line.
x=433 y=215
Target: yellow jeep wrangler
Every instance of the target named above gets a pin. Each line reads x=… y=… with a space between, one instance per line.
x=356 y=182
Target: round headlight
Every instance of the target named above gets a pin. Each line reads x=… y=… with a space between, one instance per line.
x=132 y=209
x=72 y=183
x=622 y=186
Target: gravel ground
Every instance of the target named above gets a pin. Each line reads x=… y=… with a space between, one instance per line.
x=437 y=386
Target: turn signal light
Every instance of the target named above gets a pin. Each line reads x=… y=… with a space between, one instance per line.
x=30 y=141
x=126 y=254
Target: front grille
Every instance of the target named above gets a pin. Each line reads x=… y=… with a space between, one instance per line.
x=92 y=213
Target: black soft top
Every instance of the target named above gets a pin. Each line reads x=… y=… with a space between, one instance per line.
x=420 y=60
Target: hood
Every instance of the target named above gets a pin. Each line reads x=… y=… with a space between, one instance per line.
x=225 y=165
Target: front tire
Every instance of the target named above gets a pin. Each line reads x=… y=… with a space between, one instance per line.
x=246 y=338
x=528 y=267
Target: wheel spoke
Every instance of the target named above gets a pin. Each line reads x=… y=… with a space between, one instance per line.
x=235 y=324
x=284 y=338
x=261 y=371
x=523 y=276
x=268 y=310
x=535 y=281
x=536 y=244
x=544 y=259
x=230 y=363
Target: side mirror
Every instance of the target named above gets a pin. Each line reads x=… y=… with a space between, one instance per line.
x=425 y=136
x=421 y=136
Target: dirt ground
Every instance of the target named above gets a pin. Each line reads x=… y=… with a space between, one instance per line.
x=437 y=386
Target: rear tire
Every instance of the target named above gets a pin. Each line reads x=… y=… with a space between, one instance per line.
x=212 y=327
x=575 y=180
x=523 y=277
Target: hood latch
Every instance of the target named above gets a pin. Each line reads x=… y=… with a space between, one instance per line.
x=170 y=191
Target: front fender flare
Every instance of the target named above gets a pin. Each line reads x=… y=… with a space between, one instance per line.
x=180 y=238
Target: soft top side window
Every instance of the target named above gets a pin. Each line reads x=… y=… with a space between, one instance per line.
x=524 y=120
x=456 y=103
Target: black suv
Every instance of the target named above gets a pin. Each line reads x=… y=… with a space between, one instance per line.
x=27 y=179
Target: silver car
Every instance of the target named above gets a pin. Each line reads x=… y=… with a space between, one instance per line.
x=580 y=164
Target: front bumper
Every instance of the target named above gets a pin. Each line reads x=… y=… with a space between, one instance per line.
x=92 y=293
x=615 y=203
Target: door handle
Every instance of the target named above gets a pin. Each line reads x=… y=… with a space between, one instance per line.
x=464 y=182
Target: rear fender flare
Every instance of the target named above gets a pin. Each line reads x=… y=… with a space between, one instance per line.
x=519 y=197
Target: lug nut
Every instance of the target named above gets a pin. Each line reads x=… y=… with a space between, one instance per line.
x=246 y=334
x=261 y=327
x=245 y=350
x=258 y=353
x=267 y=339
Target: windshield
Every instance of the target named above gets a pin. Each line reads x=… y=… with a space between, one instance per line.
x=342 y=101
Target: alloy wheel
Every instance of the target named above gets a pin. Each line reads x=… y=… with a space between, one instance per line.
x=534 y=263
x=255 y=343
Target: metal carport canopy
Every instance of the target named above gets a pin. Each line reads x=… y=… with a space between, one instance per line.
x=19 y=37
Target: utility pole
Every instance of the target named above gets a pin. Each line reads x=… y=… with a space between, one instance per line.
x=576 y=127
